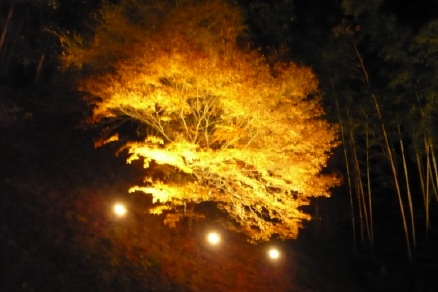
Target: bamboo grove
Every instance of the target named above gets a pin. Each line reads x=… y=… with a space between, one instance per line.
x=388 y=121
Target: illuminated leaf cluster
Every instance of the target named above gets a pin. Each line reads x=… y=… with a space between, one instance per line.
x=232 y=128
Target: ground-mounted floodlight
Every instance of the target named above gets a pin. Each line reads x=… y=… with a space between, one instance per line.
x=273 y=253
x=120 y=209
x=213 y=238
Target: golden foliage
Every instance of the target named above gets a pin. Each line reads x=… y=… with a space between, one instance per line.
x=102 y=141
x=235 y=130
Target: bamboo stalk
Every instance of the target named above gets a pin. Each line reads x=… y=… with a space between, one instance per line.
x=428 y=179
x=6 y=26
x=370 y=202
x=6 y=58
x=423 y=190
x=411 y=208
x=395 y=176
x=435 y=168
x=347 y=169
x=361 y=192
x=39 y=67
x=360 y=209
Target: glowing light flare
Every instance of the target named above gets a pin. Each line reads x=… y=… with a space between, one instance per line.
x=213 y=238
x=120 y=210
x=273 y=253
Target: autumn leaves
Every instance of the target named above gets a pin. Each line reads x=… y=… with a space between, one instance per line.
x=208 y=108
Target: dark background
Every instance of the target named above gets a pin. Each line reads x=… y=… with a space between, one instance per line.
x=56 y=230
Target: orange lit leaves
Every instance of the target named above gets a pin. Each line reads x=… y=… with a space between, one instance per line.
x=231 y=128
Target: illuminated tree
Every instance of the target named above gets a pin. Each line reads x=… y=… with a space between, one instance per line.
x=223 y=125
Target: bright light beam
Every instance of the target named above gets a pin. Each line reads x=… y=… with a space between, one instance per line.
x=120 y=210
x=213 y=238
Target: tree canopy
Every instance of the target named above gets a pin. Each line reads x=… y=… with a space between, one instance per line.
x=223 y=124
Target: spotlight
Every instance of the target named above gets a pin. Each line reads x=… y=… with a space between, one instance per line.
x=120 y=210
x=273 y=253
x=213 y=238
